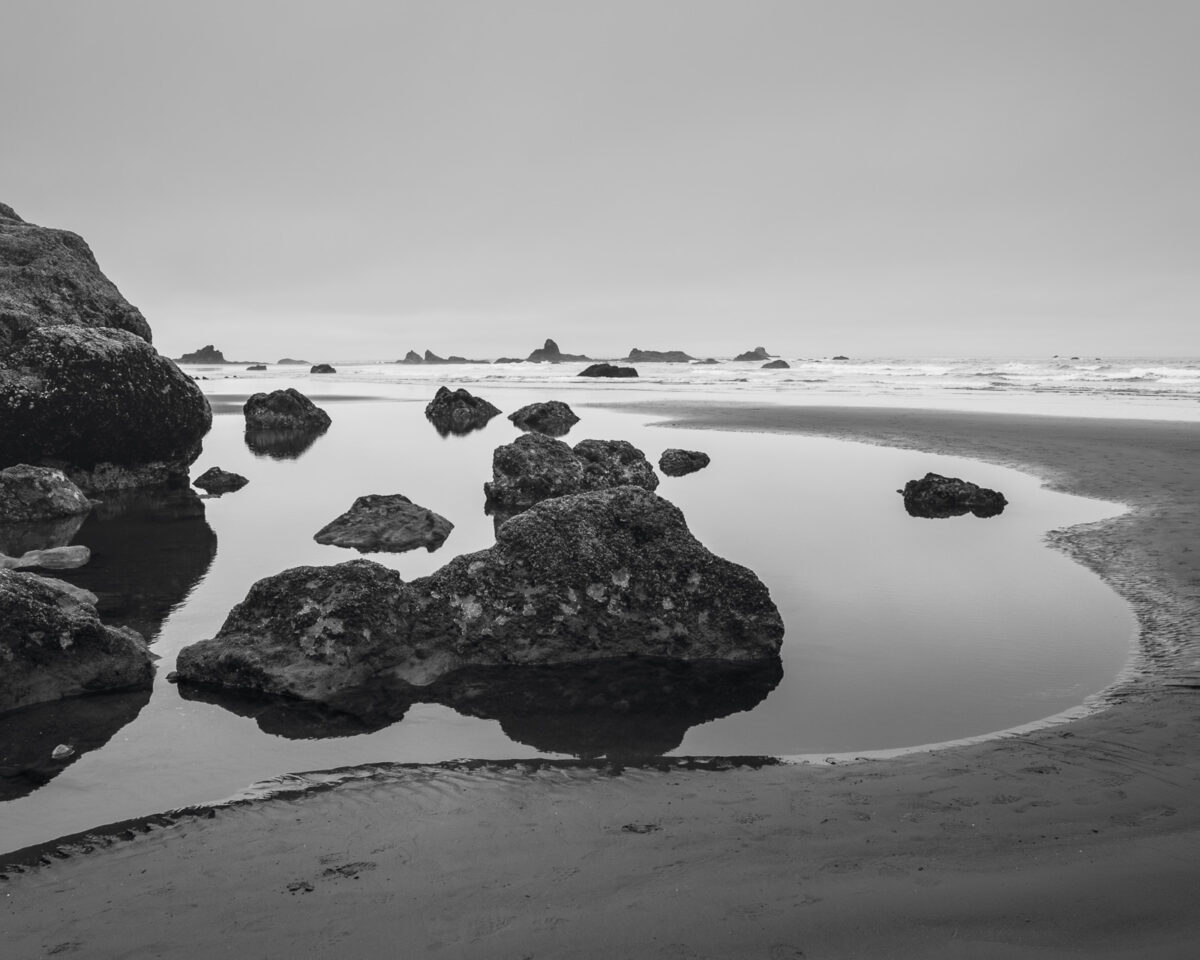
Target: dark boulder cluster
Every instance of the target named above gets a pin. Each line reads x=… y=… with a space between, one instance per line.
x=552 y=417
x=935 y=496
x=458 y=412
x=386 y=523
x=678 y=463
x=776 y=365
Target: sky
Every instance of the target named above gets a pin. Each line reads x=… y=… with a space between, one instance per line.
x=357 y=179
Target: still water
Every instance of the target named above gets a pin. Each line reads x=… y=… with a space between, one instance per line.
x=900 y=631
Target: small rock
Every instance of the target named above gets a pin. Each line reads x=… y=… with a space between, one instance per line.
x=218 y=481
x=322 y=368
x=458 y=412
x=553 y=418
x=62 y=751
x=677 y=463
x=607 y=370
x=257 y=366
x=390 y=523
x=935 y=496
x=777 y=365
x=758 y=353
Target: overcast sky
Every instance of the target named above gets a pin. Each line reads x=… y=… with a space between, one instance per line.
x=354 y=179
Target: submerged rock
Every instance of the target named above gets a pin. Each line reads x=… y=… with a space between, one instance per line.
x=935 y=496
x=284 y=410
x=658 y=356
x=54 y=646
x=776 y=365
x=38 y=493
x=552 y=417
x=206 y=354
x=607 y=370
x=322 y=368
x=549 y=353
x=535 y=467
x=386 y=522
x=458 y=412
x=595 y=576
x=677 y=463
x=758 y=353
x=218 y=481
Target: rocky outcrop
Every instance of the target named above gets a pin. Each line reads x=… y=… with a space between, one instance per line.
x=758 y=353
x=658 y=356
x=389 y=523
x=322 y=368
x=49 y=558
x=291 y=362
x=411 y=357
x=535 y=467
x=549 y=353
x=598 y=576
x=935 y=496
x=284 y=410
x=677 y=463
x=776 y=365
x=50 y=277
x=458 y=412
x=38 y=493
x=257 y=366
x=607 y=370
x=217 y=481
x=54 y=646
x=508 y=360
x=206 y=354
x=551 y=417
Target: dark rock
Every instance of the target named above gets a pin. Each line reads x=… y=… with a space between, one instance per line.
x=508 y=360
x=607 y=370
x=706 y=361
x=53 y=646
x=549 y=353
x=257 y=366
x=206 y=354
x=431 y=357
x=281 y=444
x=758 y=353
x=284 y=410
x=19 y=538
x=777 y=365
x=553 y=418
x=218 y=481
x=51 y=558
x=535 y=467
x=840 y=358
x=935 y=496
x=411 y=357
x=658 y=356
x=677 y=463
x=101 y=405
x=390 y=523
x=290 y=362
x=597 y=576
x=50 y=277
x=38 y=493
x=322 y=368
x=458 y=412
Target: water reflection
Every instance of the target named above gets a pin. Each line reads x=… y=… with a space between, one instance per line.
x=933 y=511
x=149 y=549
x=19 y=538
x=614 y=708
x=281 y=444
x=28 y=736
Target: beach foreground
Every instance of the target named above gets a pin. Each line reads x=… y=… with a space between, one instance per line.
x=1078 y=839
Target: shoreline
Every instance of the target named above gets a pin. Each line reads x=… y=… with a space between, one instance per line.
x=1078 y=837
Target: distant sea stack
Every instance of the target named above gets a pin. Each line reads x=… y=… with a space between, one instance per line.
x=758 y=353
x=658 y=356
x=549 y=353
x=81 y=388
x=206 y=354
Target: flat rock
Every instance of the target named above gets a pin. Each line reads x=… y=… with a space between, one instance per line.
x=50 y=558
x=284 y=410
x=551 y=417
x=677 y=463
x=218 y=481
x=389 y=523
x=607 y=370
x=458 y=412
x=935 y=496
x=38 y=493
x=658 y=356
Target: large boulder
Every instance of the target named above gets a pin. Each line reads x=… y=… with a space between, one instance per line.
x=935 y=496
x=458 y=411
x=677 y=463
x=535 y=467
x=284 y=410
x=53 y=645
x=551 y=417
x=389 y=523
x=101 y=405
x=38 y=493
x=607 y=370
x=549 y=353
x=597 y=576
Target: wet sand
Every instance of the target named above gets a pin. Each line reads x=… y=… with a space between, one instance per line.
x=1080 y=839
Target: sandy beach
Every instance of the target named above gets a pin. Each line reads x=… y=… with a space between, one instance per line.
x=1078 y=839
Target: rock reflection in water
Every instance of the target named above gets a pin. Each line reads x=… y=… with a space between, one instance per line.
x=613 y=708
x=149 y=549
x=281 y=444
x=19 y=538
x=28 y=737
x=930 y=511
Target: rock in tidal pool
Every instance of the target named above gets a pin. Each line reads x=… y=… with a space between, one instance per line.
x=51 y=558
x=386 y=523
x=552 y=417
x=678 y=463
x=607 y=370
x=935 y=496
x=53 y=645
x=217 y=481
x=284 y=410
x=534 y=468
x=596 y=576
x=458 y=412
x=38 y=493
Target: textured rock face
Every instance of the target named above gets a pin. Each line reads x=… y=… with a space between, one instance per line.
x=758 y=353
x=386 y=522
x=553 y=418
x=607 y=370
x=677 y=463
x=50 y=277
x=658 y=356
x=53 y=646
x=776 y=365
x=549 y=353
x=597 y=576
x=457 y=411
x=935 y=496
x=206 y=354
x=102 y=405
x=38 y=493
x=284 y=410
x=216 y=480
x=535 y=467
